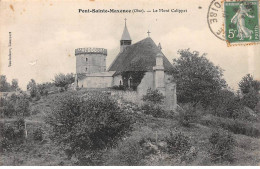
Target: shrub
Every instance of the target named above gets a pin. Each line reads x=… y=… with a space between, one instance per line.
x=250 y=99
x=178 y=144
x=153 y=96
x=128 y=153
x=86 y=124
x=222 y=146
x=235 y=126
x=119 y=87
x=154 y=110
x=22 y=107
x=38 y=134
x=12 y=135
x=5 y=144
x=63 y=81
x=188 y=114
x=6 y=108
x=249 y=83
x=226 y=104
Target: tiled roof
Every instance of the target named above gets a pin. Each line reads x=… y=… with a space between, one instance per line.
x=140 y=56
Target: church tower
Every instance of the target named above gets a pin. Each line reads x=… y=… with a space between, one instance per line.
x=125 y=39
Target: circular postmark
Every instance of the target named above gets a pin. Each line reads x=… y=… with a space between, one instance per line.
x=215 y=19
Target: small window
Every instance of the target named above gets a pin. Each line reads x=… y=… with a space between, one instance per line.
x=86 y=69
x=86 y=59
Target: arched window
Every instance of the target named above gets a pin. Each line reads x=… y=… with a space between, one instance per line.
x=86 y=59
x=86 y=69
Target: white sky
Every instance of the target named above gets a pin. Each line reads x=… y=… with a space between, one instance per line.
x=50 y=31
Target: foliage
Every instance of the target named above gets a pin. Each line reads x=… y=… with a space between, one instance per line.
x=188 y=114
x=153 y=96
x=14 y=84
x=16 y=105
x=12 y=135
x=235 y=126
x=222 y=146
x=120 y=87
x=7 y=87
x=6 y=108
x=198 y=79
x=128 y=153
x=178 y=144
x=32 y=87
x=63 y=81
x=248 y=83
x=42 y=89
x=154 y=110
x=226 y=104
x=87 y=124
x=251 y=98
x=22 y=107
x=38 y=134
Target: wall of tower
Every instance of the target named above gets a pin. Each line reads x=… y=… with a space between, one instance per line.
x=90 y=60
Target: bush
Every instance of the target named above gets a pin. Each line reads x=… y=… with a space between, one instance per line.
x=12 y=135
x=128 y=153
x=119 y=87
x=154 y=110
x=226 y=104
x=16 y=105
x=6 y=108
x=22 y=107
x=188 y=114
x=86 y=124
x=222 y=146
x=153 y=96
x=63 y=81
x=235 y=126
x=250 y=99
x=5 y=144
x=248 y=83
x=38 y=134
x=178 y=144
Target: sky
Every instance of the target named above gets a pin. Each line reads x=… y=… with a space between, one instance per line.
x=45 y=34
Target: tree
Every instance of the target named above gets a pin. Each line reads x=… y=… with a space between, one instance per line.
x=4 y=85
x=198 y=79
x=32 y=87
x=63 y=81
x=153 y=96
x=89 y=124
x=250 y=99
x=247 y=83
x=14 y=84
x=249 y=88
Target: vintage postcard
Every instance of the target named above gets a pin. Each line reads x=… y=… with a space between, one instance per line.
x=129 y=83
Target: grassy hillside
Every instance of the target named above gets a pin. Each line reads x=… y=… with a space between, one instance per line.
x=146 y=144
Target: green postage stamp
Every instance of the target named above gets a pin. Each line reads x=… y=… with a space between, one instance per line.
x=241 y=22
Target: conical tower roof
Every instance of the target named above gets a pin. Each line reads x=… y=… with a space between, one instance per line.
x=126 y=35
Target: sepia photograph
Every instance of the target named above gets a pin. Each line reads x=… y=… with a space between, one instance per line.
x=129 y=83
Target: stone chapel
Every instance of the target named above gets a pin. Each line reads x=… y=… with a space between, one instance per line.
x=137 y=66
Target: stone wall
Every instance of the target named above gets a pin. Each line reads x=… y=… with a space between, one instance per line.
x=131 y=96
x=96 y=82
x=117 y=79
x=146 y=83
x=170 y=93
